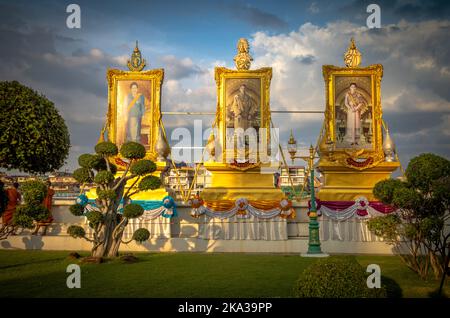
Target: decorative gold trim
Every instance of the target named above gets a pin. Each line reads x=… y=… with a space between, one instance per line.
x=220 y=75
x=136 y=63
x=352 y=58
x=341 y=155
x=157 y=77
x=243 y=59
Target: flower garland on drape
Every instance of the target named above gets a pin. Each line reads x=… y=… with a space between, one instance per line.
x=152 y=209
x=241 y=208
x=360 y=208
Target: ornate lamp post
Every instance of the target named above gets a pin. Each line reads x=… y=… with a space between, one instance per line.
x=314 y=249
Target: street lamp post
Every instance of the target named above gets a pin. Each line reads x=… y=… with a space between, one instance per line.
x=314 y=249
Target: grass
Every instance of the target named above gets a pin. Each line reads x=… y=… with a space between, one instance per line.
x=43 y=274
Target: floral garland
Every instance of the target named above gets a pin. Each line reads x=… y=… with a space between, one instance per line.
x=243 y=165
x=241 y=208
x=359 y=164
x=152 y=209
x=360 y=208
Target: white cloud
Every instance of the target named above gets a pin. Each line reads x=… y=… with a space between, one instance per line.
x=416 y=77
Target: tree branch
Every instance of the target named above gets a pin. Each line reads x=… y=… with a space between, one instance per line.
x=107 y=163
x=133 y=193
x=127 y=242
x=132 y=185
x=124 y=176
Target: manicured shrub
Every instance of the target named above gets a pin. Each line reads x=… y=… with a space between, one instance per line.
x=132 y=150
x=34 y=192
x=23 y=220
x=106 y=148
x=335 y=278
x=36 y=212
x=82 y=175
x=385 y=226
x=86 y=160
x=94 y=217
x=103 y=177
x=424 y=170
x=77 y=209
x=141 y=235
x=132 y=211
x=76 y=231
x=142 y=167
x=384 y=190
x=106 y=194
x=149 y=183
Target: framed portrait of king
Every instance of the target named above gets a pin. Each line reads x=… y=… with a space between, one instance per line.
x=243 y=104
x=134 y=107
x=353 y=109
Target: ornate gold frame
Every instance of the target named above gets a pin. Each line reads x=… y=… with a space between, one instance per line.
x=221 y=74
x=342 y=155
x=156 y=76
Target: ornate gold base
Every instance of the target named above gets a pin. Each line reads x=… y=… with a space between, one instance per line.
x=346 y=184
x=151 y=195
x=230 y=184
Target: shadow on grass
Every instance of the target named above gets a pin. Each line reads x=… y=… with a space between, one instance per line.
x=35 y=262
x=435 y=294
x=393 y=289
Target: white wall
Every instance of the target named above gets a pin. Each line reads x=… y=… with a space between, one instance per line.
x=355 y=238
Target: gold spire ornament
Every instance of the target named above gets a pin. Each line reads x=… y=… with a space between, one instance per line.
x=136 y=63
x=243 y=59
x=389 y=147
x=352 y=58
x=161 y=146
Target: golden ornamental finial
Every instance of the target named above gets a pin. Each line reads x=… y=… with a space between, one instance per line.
x=291 y=138
x=243 y=58
x=352 y=58
x=136 y=63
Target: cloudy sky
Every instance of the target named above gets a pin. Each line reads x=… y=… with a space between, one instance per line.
x=189 y=38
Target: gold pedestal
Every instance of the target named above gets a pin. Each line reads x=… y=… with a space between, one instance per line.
x=230 y=184
x=346 y=184
x=151 y=195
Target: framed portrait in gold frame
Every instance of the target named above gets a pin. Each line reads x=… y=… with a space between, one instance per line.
x=134 y=107
x=243 y=101
x=353 y=112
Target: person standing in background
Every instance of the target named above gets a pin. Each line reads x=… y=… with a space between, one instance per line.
x=48 y=202
x=3 y=198
x=14 y=198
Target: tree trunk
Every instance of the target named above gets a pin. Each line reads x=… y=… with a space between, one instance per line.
x=114 y=250
x=435 y=265
x=110 y=245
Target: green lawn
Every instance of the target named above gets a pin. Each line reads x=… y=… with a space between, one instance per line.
x=43 y=274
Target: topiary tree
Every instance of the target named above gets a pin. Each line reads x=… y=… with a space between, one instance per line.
x=31 y=211
x=33 y=135
x=336 y=278
x=423 y=202
x=108 y=224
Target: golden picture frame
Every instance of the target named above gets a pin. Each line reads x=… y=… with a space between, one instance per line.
x=134 y=108
x=353 y=114
x=255 y=84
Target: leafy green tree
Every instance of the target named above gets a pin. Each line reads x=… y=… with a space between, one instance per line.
x=33 y=135
x=336 y=278
x=108 y=224
x=423 y=202
x=31 y=211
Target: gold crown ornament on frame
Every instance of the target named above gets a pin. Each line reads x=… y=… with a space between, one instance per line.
x=136 y=63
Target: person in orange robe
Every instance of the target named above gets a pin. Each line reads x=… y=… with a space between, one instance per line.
x=14 y=198
x=48 y=202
